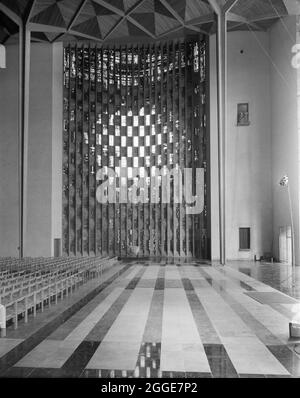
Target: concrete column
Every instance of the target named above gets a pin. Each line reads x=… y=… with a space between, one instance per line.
x=24 y=81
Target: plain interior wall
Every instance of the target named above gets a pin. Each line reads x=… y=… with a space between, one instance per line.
x=39 y=153
x=248 y=149
x=9 y=106
x=44 y=190
x=44 y=193
x=285 y=139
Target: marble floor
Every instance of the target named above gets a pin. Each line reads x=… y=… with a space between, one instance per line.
x=166 y=320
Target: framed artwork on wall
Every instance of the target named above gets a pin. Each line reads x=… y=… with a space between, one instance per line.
x=243 y=114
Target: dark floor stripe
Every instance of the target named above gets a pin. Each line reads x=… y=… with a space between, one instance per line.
x=18 y=373
x=133 y=283
x=160 y=284
x=153 y=328
x=45 y=373
x=187 y=284
x=102 y=327
x=81 y=357
x=289 y=359
x=206 y=330
x=251 y=376
x=277 y=377
x=219 y=361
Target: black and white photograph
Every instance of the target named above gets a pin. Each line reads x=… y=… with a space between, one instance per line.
x=149 y=193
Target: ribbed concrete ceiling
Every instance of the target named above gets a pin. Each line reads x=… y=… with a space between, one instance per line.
x=107 y=21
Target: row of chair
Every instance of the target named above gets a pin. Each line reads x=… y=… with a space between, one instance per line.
x=15 y=264
x=36 y=270
x=26 y=291
x=38 y=264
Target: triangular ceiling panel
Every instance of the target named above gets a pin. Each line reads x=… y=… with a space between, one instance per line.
x=41 y=5
x=121 y=31
x=264 y=25
x=100 y=10
x=161 y=9
x=145 y=7
x=207 y=27
x=128 y=4
x=257 y=8
x=68 y=9
x=179 y=6
x=147 y=20
x=164 y=24
x=117 y=3
x=51 y=35
x=69 y=38
x=17 y=6
x=195 y=8
x=96 y=17
x=87 y=13
x=51 y=16
x=135 y=31
x=40 y=36
x=232 y=25
x=89 y=27
x=106 y=23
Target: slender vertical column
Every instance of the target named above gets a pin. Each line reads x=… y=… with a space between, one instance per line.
x=155 y=252
x=88 y=247
x=97 y=251
x=82 y=150
x=24 y=71
x=128 y=218
x=221 y=79
x=76 y=146
x=167 y=143
x=221 y=12
x=181 y=141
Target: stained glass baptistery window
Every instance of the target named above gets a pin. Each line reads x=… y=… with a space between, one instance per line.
x=136 y=150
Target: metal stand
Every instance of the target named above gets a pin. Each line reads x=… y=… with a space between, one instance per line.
x=293 y=238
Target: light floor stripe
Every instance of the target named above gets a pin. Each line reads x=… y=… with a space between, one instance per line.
x=271 y=319
x=247 y=353
x=191 y=272
x=7 y=345
x=134 y=271
x=181 y=349
x=259 y=286
x=121 y=345
x=151 y=272
x=172 y=273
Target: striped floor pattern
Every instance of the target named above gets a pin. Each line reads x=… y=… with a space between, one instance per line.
x=162 y=320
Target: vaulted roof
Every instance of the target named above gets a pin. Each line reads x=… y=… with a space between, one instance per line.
x=108 y=21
